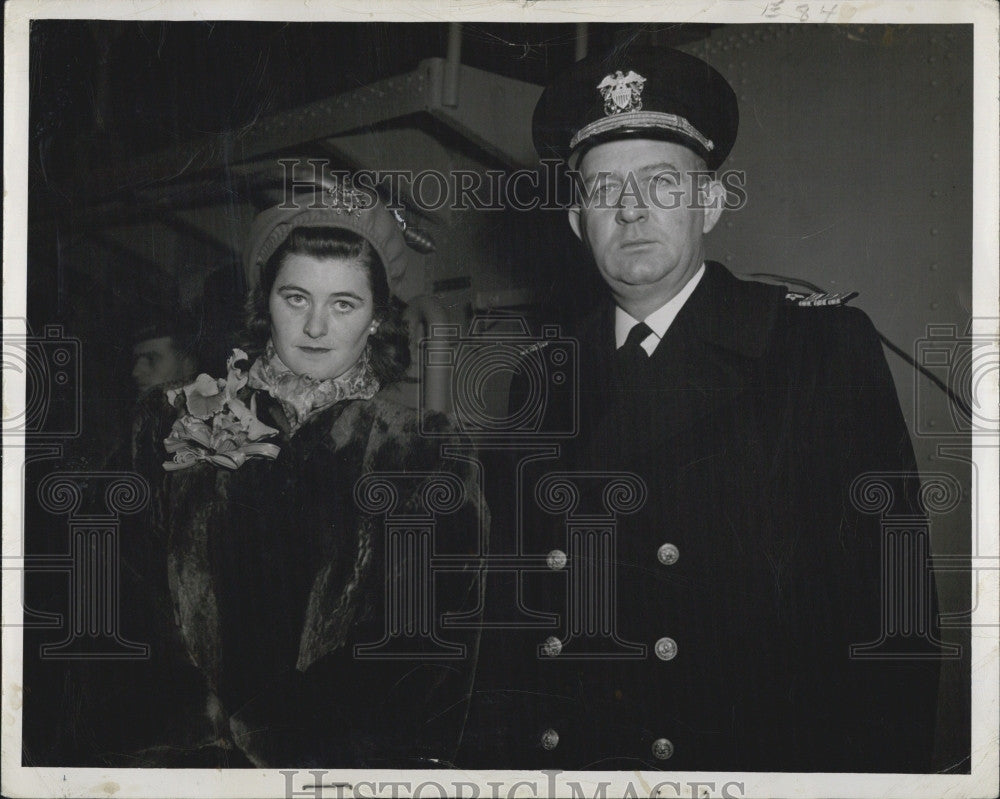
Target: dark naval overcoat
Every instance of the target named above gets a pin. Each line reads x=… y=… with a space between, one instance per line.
x=708 y=565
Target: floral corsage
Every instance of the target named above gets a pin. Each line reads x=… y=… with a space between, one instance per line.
x=217 y=427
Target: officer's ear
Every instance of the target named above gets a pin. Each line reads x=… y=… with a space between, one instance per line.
x=575 y=221
x=715 y=194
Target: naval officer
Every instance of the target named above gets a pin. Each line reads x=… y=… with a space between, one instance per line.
x=705 y=619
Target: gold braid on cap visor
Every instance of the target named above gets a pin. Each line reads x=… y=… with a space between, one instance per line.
x=641 y=119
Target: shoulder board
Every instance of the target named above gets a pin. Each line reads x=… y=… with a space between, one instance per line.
x=533 y=347
x=818 y=298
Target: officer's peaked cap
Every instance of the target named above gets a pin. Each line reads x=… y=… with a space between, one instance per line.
x=637 y=92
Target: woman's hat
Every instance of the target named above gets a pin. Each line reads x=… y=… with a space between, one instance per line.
x=337 y=204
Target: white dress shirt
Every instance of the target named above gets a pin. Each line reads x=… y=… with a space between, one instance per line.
x=659 y=320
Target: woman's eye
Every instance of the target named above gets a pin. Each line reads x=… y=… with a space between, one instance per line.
x=295 y=300
x=343 y=306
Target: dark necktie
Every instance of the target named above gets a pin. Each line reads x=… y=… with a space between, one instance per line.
x=633 y=360
x=631 y=398
x=633 y=344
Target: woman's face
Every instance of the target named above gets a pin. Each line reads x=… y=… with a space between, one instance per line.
x=322 y=313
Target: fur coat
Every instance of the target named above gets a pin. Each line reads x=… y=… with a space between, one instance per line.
x=304 y=593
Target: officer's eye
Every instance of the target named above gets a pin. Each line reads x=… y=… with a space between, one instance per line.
x=665 y=179
x=606 y=191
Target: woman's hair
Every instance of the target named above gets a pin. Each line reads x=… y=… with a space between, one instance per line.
x=389 y=345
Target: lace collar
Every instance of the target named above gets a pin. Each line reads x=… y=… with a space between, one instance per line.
x=302 y=396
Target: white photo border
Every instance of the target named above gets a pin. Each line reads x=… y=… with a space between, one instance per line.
x=19 y=780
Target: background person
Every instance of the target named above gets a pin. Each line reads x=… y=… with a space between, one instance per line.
x=165 y=351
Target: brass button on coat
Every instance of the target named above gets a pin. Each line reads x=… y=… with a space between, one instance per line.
x=666 y=649
x=550 y=740
x=662 y=749
x=668 y=554
x=552 y=646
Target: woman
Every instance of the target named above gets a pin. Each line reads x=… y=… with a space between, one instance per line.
x=276 y=489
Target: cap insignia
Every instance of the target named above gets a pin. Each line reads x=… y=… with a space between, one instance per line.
x=621 y=93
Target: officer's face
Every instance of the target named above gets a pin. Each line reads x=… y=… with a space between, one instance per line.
x=644 y=207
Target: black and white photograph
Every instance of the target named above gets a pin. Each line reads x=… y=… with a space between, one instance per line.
x=501 y=400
